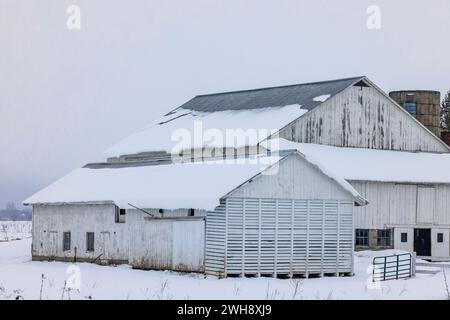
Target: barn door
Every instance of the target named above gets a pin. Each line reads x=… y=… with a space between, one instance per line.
x=104 y=244
x=425 y=205
x=422 y=242
x=53 y=243
x=188 y=245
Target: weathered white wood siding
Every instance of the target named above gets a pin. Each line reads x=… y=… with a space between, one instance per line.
x=296 y=221
x=408 y=245
x=362 y=117
x=425 y=204
x=50 y=221
x=392 y=204
x=292 y=179
x=167 y=244
x=173 y=241
x=440 y=249
x=280 y=237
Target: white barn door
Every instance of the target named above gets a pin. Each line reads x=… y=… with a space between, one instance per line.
x=425 y=205
x=188 y=245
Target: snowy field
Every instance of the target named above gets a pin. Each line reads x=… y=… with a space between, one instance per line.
x=13 y=230
x=19 y=276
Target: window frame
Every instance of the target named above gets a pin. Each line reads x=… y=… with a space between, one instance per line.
x=120 y=215
x=362 y=240
x=65 y=241
x=408 y=107
x=90 y=248
x=404 y=240
x=440 y=237
x=384 y=237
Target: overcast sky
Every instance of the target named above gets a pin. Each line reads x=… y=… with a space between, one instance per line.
x=67 y=95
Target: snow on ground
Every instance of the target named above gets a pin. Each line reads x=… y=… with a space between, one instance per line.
x=13 y=230
x=21 y=276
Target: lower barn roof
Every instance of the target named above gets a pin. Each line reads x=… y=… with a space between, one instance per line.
x=172 y=186
x=376 y=165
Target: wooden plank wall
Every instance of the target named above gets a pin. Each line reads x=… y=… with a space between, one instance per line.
x=281 y=237
x=397 y=204
x=364 y=118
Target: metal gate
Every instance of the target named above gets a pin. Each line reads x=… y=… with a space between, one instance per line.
x=393 y=267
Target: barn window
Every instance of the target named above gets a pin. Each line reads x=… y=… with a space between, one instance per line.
x=66 y=241
x=404 y=237
x=120 y=215
x=191 y=212
x=362 y=237
x=440 y=237
x=89 y=241
x=411 y=107
x=384 y=238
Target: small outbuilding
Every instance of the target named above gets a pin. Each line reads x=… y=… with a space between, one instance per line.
x=256 y=215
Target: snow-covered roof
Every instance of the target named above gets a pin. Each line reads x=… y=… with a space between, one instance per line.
x=198 y=185
x=305 y=94
x=376 y=165
x=184 y=129
x=264 y=111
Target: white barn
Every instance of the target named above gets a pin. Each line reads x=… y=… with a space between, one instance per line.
x=279 y=215
x=267 y=225
x=409 y=196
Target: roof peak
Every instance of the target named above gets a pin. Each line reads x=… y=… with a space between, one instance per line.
x=283 y=86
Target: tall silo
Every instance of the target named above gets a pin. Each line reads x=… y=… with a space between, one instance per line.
x=424 y=105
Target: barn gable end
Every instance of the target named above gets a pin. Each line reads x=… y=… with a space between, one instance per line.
x=296 y=221
x=293 y=178
x=362 y=116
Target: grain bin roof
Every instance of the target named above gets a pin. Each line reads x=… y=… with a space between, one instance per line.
x=376 y=165
x=191 y=185
x=302 y=94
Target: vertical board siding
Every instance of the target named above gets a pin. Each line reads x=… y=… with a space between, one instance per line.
x=284 y=184
x=50 y=221
x=215 y=241
x=167 y=244
x=188 y=245
x=151 y=245
x=280 y=237
x=401 y=204
x=425 y=205
x=362 y=117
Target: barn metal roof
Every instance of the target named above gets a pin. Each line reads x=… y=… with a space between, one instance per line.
x=302 y=94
